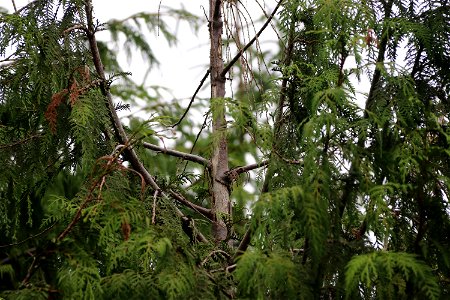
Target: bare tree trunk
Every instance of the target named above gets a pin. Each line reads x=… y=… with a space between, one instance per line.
x=220 y=195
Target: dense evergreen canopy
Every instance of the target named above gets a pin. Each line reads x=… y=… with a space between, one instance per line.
x=351 y=199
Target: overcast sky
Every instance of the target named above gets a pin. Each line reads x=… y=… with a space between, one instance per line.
x=182 y=66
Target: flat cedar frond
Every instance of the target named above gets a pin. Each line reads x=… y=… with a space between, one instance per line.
x=381 y=268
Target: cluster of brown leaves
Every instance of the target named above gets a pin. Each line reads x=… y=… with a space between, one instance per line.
x=74 y=91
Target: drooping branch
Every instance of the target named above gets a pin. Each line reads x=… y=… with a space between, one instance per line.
x=20 y=142
x=279 y=112
x=183 y=155
x=29 y=238
x=241 y=52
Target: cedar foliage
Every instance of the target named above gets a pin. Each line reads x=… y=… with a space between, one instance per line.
x=351 y=201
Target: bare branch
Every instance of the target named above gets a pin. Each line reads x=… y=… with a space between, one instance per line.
x=240 y=170
x=29 y=238
x=286 y=160
x=239 y=54
x=243 y=245
x=215 y=252
x=183 y=155
x=2 y=146
x=192 y=99
x=72 y=28
x=200 y=209
x=14 y=5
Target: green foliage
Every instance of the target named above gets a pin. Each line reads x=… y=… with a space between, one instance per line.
x=394 y=275
x=353 y=202
x=274 y=276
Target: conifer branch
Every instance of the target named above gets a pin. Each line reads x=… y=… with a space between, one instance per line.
x=74 y=27
x=227 y=68
x=14 y=5
x=286 y=160
x=183 y=155
x=77 y=216
x=118 y=128
x=117 y=124
x=215 y=252
x=380 y=60
x=352 y=175
x=30 y=237
x=281 y=101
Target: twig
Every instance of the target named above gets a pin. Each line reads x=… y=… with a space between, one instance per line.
x=239 y=54
x=228 y=269
x=197 y=137
x=29 y=272
x=20 y=142
x=155 y=195
x=30 y=4
x=183 y=155
x=29 y=238
x=212 y=253
x=14 y=5
x=240 y=170
x=232 y=175
x=192 y=99
x=286 y=160
x=200 y=209
x=76 y=26
x=77 y=216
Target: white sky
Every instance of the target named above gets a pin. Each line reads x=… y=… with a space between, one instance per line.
x=182 y=66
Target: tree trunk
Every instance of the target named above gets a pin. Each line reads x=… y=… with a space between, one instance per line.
x=220 y=195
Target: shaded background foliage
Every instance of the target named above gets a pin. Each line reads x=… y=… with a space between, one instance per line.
x=353 y=200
